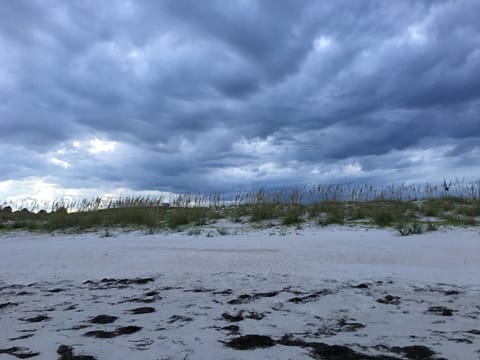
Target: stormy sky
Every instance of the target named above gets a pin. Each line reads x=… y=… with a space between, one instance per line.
x=186 y=95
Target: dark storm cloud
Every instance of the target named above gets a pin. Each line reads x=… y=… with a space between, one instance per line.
x=268 y=33
x=213 y=94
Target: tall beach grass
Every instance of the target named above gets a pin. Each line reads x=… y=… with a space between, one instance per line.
x=384 y=206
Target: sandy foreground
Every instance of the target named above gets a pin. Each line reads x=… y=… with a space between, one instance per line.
x=331 y=293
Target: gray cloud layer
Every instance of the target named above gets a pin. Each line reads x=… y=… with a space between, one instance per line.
x=213 y=95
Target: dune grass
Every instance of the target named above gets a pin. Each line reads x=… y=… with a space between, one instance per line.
x=410 y=209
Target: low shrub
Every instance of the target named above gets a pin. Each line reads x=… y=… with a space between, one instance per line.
x=293 y=215
x=410 y=229
x=383 y=218
x=263 y=211
x=335 y=215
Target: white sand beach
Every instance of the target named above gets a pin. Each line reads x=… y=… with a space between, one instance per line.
x=174 y=296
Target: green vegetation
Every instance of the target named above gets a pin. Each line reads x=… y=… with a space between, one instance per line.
x=293 y=215
x=412 y=229
x=410 y=209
